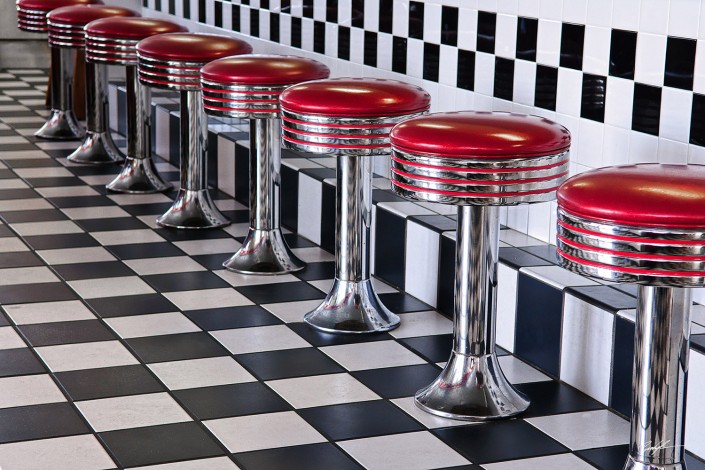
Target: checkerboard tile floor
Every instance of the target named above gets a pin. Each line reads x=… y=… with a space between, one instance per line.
x=123 y=345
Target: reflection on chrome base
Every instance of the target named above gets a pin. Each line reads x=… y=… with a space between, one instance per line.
x=472 y=388
x=138 y=176
x=61 y=125
x=193 y=209
x=352 y=307
x=634 y=465
x=264 y=252
x=96 y=148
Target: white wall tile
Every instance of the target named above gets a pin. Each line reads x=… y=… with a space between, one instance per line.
x=226 y=165
x=518 y=217
x=586 y=348
x=596 y=53
x=506 y=36
x=484 y=73
x=575 y=11
x=529 y=8
x=310 y=200
x=590 y=143
x=506 y=305
x=400 y=20
x=599 y=12
x=539 y=224
x=448 y=65
x=421 y=275
x=548 y=48
x=676 y=106
x=625 y=14
x=551 y=9
x=467 y=29
x=650 y=59
x=162 y=132
x=670 y=151
x=619 y=102
x=654 y=16
x=570 y=86
x=643 y=148
x=431 y=23
x=371 y=19
x=615 y=146
x=684 y=18
x=525 y=82
x=695 y=412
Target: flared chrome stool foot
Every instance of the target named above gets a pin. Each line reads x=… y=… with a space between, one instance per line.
x=66 y=34
x=644 y=224
x=62 y=123
x=352 y=307
x=113 y=41
x=97 y=148
x=477 y=161
x=173 y=61
x=350 y=118
x=248 y=86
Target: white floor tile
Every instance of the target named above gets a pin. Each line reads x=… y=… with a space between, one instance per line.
x=427 y=419
x=265 y=431
x=410 y=451
x=518 y=372
x=208 y=298
x=372 y=355
x=82 y=452
x=65 y=357
x=209 y=372
x=227 y=246
x=313 y=254
x=135 y=411
x=48 y=312
x=422 y=324
x=322 y=390
x=258 y=339
x=217 y=463
x=92 y=254
x=164 y=265
x=47 y=228
x=585 y=430
x=129 y=199
x=552 y=462
x=24 y=205
x=28 y=390
x=291 y=312
x=127 y=237
x=105 y=212
x=238 y=280
x=34 y=275
x=9 y=339
x=137 y=326
x=110 y=287
x=68 y=191
x=12 y=244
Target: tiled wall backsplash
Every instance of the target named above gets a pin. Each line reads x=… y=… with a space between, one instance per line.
x=627 y=77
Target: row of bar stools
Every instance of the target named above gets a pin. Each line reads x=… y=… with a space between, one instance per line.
x=113 y=41
x=248 y=86
x=644 y=224
x=477 y=161
x=351 y=119
x=67 y=31
x=173 y=61
x=62 y=123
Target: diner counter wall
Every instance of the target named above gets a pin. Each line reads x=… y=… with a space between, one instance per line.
x=625 y=77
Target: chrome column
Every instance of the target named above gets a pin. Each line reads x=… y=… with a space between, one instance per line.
x=264 y=250
x=97 y=146
x=472 y=386
x=661 y=350
x=352 y=306
x=138 y=175
x=193 y=207
x=62 y=123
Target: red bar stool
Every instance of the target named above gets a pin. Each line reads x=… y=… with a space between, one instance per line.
x=350 y=118
x=66 y=34
x=173 y=61
x=477 y=161
x=32 y=17
x=644 y=224
x=113 y=41
x=248 y=86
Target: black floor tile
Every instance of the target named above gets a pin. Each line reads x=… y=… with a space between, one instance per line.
x=107 y=382
x=5 y=230
x=499 y=441
x=281 y=292
x=113 y=223
x=319 y=338
x=606 y=458
x=212 y=262
x=19 y=259
x=317 y=271
x=176 y=235
x=39 y=422
x=83 y=331
x=400 y=302
x=176 y=347
x=83 y=201
x=147 y=209
x=397 y=382
x=45 y=292
x=67 y=240
x=103 y=269
x=295 y=241
x=232 y=317
x=237 y=217
x=231 y=400
x=108 y=307
x=94 y=170
x=159 y=444
x=50 y=182
x=359 y=420
x=145 y=250
x=435 y=348
x=20 y=193
x=20 y=361
x=33 y=163
x=40 y=215
x=550 y=397
x=272 y=365
x=185 y=281
x=309 y=457
x=517 y=258
x=546 y=252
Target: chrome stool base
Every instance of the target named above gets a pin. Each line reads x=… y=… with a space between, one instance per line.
x=193 y=209
x=634 y=465
x=97 y=148
x=264 y=252
x=352 y=307
x=61 y=125
x=138 y=176
x=472 y=388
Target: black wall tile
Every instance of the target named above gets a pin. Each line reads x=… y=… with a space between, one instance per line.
x=390 y=243
x=622 y=366
x=527 y=33
x=572 y=44
x=623 y=53
x=370 y=53
x=546 y=87
x=466 y=70
x=593 y=97
x=254 y=22
x=328 y=215
x=358 y=13
x=446 y=277
x=296 y=32
x=486 y=31
x=431 y=53
x=218 y=14
x=697 y=121
x=290 y=198
x=386 y=16
x=680 y=63
x=344 y=43
x=319 y=37
x=416 y=15
x=236 y=16
x=449 y=26
x=332 y=11
x=504 y=78
x=399 y=54
x=274 y=34
x=647 y=108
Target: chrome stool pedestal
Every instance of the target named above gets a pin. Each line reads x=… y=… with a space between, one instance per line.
x=113 y=41
x=62 y=123
x=66 y=33
x=248 y=86
x=474 y=161
x=611 y=228
x=350 y=118
x=173 y=61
